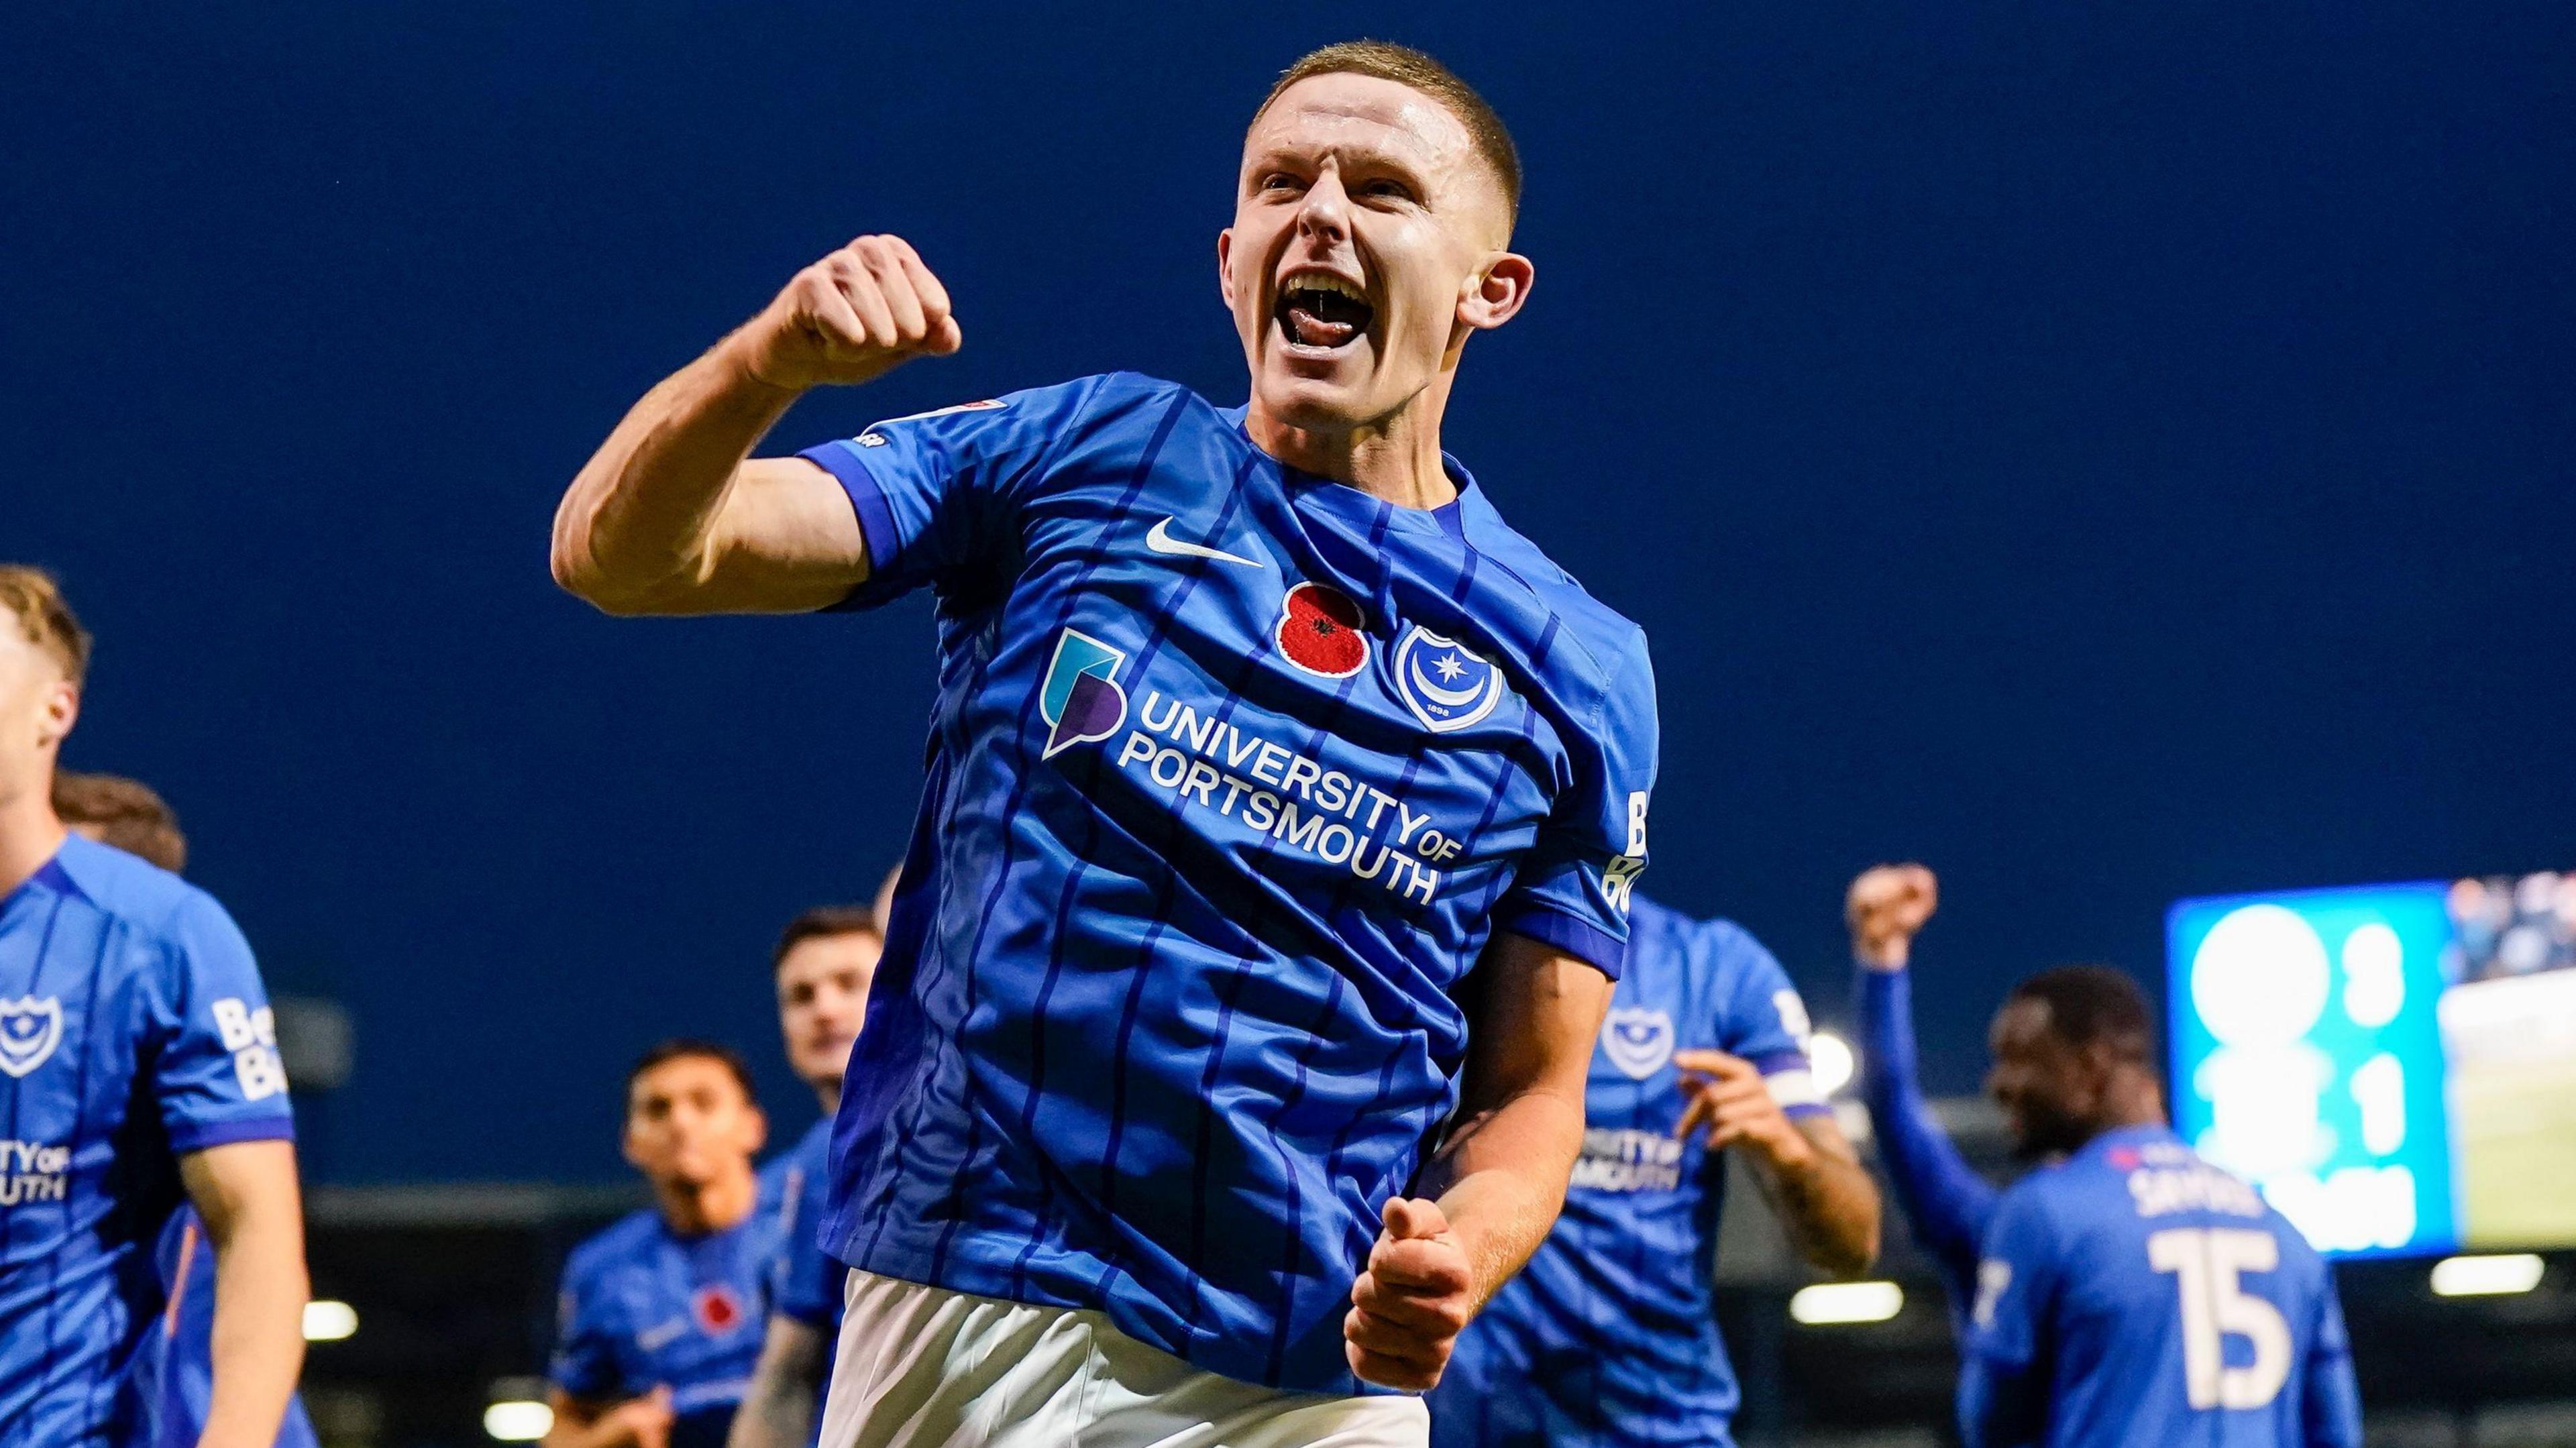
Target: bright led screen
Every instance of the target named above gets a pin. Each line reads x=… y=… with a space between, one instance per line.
x=2394 y=1065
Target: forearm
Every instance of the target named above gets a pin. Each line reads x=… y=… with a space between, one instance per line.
x=1948 y=1203
x=640 y=517
x=1500 y=1180
x=1825 y=1201
x=778 y=1408
x=258 y=1344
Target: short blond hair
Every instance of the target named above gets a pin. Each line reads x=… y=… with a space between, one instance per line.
x=1406 y=66
x=44 y=618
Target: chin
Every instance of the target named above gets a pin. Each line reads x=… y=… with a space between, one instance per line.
x=1313 y=404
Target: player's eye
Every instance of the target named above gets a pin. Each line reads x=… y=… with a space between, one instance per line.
x=1391 y=190
x=1277 y=181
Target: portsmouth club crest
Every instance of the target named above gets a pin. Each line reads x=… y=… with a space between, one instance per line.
x=1638 y=1040
x=1446 y=684
x=30 y=1029
x=1080 y=698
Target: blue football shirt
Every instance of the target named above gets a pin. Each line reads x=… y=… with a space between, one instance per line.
x=173 y=1376
x=1609 y=1336
x=809 y=1280
x=644 y=1307
x=1232 y=773
x=2135 y=1295
x=133 y=1031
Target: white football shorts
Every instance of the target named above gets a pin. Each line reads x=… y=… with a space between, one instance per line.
x=924 y=1367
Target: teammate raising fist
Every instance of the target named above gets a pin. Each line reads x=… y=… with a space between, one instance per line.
x=2125 y=1293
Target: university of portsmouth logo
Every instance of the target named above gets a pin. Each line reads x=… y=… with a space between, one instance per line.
x=1639 y=1040
x=874 y=438
x=1319 y=631
x=30 y=1029
x=1446 y=684
x=1080 y=699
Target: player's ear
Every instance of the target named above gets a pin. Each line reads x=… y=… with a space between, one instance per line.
x=1495 y=293
x=1225 y=273
x=62 y=711
x=759 y=1130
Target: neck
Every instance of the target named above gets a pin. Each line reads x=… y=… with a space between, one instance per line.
x=829 y=1093
x=694 y=1209
x=2135 y=1101
x=1395 y=458
x=29 y=832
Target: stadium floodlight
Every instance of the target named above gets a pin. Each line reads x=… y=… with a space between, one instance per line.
x=329 y=1321
x=2486 y=1276
x=1833 y=1060
x=1833 y=1303
x=518 y=1420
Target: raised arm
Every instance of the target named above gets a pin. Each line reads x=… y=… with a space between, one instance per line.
x=673 y=516
x=254 y=1217
x=1498 y=1181
x=1947 y=1202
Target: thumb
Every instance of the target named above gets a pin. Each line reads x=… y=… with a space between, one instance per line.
x=1409 y=1219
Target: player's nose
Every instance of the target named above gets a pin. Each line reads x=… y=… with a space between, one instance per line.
x=1325 y=215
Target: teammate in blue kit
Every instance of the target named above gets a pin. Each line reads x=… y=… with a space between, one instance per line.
x=138 y=1070
x=1609 y=1336
x=662 y=1312
x=1258 y=730
x=2125 y=1292
x=172 y=1378
x=822 y=966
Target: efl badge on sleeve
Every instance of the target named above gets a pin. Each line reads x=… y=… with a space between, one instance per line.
x=1446 y=684
x=1638 y=1039
x=30 y=1029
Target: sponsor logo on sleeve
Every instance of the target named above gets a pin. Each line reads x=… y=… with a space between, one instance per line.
x=1319 y=631
x=30 y=1029
x=1638 y=1040
x=251 y=1035
x=1446 y=684
x=1793 y=1016
x=1080 y=698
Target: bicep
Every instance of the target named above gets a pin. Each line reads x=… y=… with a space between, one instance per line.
x=785 y=539
x=1536 y=1015
x=242 y=1183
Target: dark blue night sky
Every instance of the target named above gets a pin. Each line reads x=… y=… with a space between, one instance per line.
x=2107 y=452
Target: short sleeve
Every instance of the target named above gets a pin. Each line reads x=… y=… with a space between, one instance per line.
x=584 y=1364
x=1766 y=1024
x=938 y=493
x=806 y=1282
x=216 y=1074
x=1572 y=890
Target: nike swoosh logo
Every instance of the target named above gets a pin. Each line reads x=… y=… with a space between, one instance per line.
x=1160 y=539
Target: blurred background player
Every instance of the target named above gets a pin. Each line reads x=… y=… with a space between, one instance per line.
x=2124 y=1292
x=1171 y=1041
x=1609 y=1336
x=125 y=813
x=138 y=1069
x=172 y=1378
x=662 y=1312
x=823 y=964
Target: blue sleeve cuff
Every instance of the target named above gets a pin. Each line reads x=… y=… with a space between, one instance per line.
x=1581 y=939
x=876 y=520
x=199 y=1135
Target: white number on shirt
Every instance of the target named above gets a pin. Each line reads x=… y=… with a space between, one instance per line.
x=2205 y=1262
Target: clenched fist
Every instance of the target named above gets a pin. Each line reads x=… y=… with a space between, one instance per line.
x=1886 y=909
x=1410 y=1305
x=854 y=315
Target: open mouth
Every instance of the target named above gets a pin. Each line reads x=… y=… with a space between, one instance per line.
x=1322 y=311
